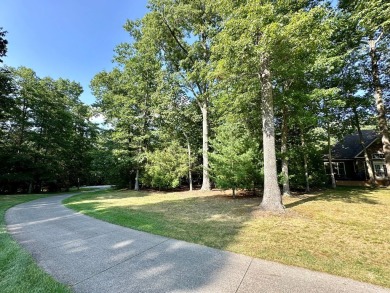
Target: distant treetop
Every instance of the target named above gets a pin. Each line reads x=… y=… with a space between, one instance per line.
x=3 y=44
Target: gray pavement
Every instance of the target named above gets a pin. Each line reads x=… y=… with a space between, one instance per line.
x=94 y=256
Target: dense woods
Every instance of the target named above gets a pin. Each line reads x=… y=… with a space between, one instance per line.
x=232 y=94
x=46 y=136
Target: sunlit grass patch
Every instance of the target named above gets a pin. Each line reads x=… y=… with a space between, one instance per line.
x=342 y=232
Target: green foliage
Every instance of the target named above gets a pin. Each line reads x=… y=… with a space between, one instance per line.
x=126 y=98
x=3 y=44
x=45 y=133
x=7 y=103
x=371 y=15
x=102 y=167
x=290 y=33
x=166 y=167
x=234 y=161
x=203 y=61
x=317 y=176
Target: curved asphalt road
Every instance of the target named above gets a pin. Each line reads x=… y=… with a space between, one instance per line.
x=94 y=256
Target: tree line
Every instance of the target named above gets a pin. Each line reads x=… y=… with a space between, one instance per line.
x=46 y=137
x=240 y=94
x=243 y=94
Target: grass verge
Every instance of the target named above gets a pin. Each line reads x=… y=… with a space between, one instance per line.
x=342 y=232
x=18 y=271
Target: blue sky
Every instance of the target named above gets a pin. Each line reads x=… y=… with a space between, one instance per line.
x=71 y=39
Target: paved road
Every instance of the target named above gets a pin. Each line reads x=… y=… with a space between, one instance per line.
x=94 y=256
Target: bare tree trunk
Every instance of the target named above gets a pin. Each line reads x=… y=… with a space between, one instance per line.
x=136 y=185
x=330 y=160
x=205 y=148
x=371 y=174
x=30 y=187
x=189 y=165
x=283 y=150
x=272 y=199
x=379 y=103
x=22 y=129
x=305 y=161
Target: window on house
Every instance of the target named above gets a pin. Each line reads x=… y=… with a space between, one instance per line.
x=338 y=168
x=380 y=169
x=378 y=156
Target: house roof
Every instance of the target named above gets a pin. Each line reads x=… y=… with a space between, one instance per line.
x=350 y=146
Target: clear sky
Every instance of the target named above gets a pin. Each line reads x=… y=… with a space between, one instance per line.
x=72 y=39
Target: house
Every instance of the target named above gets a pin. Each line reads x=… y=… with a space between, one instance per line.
x=348 y=161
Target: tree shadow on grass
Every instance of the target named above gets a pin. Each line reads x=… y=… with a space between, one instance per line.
x=212 y=220
x=343 y=194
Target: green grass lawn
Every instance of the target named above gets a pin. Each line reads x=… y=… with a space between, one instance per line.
x=343 y=232
x=18 y=271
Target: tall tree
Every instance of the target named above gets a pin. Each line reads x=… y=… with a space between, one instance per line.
x=292 y=101
x=284 y=152
x=7 y=103
x=357 y=105
x=233 y=160
x=125 y=96
x=166 y=166
x=184 y=31
x=373 y=27
x=178 y=119
x=264 y=40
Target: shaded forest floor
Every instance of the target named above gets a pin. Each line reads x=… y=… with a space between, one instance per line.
x=342 y=232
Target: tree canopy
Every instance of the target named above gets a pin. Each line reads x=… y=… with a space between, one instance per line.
x=46 y=134
x=231 y=94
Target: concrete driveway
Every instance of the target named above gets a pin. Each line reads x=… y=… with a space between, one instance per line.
x=94 y=256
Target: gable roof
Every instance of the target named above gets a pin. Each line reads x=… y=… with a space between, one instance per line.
x=350 y=146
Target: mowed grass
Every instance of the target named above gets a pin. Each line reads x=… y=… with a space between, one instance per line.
x=18 y=271
x=343 y=232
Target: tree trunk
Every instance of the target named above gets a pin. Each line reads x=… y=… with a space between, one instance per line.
x=272 y=199
x=22 y=128
x=205 y=148
x=234 y=192
x=189 y=165
x=371 y=175
x=305 y=161
x=330 y=160
x=283 y=150
x=379 y=103
x=136 y=185
x=30 y=187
